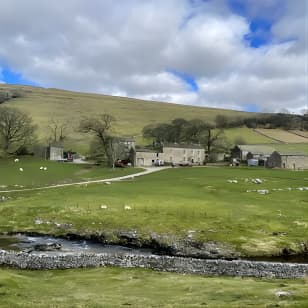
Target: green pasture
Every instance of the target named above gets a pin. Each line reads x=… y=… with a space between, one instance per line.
x=173 y=202
x=114 y=287
x=282 y=135
x=248 y=135
x=57 y=173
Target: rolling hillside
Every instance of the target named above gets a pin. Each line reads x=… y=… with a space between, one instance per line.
x=131 y=114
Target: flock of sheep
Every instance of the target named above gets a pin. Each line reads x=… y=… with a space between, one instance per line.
x=265 y=191
x=16 y=160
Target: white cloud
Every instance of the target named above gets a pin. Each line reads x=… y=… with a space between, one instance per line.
x=127 y=47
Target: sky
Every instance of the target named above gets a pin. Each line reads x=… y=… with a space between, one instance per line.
x=236 y=54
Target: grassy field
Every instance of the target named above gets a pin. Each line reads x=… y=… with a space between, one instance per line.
x=57 y=173
x=291 y=147
x=113 y=287
x=281 y=135
x=248 y=135
x=131 y=114
x=300 y=133
x=175 y=201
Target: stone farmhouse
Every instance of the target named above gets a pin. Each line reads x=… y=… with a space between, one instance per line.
x=171 y=154
x=294 y=161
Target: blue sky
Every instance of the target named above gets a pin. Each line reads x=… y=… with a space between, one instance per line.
x=11 y=77
x=237 y=54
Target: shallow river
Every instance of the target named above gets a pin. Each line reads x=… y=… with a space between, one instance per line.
x=31 y=244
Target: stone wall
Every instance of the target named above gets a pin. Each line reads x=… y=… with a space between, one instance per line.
x=161 y=263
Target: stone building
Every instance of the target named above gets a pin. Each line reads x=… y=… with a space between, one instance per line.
x=171 y=154
x=147 y=158
x=251 y=151
x=294 y=161
x=54 y=151
x=183 y=153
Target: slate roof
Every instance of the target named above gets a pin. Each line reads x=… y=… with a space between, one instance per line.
x=183 y=146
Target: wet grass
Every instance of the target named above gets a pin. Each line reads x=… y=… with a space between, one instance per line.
x=114 y=287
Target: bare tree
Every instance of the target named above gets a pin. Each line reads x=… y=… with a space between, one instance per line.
x=100 y=127
x=16 y=128
x=58 y=130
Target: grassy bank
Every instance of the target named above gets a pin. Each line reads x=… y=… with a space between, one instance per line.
x=174 y=202
x=113 y=287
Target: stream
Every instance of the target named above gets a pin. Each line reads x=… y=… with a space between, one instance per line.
x=59 y=246
x=53 y=246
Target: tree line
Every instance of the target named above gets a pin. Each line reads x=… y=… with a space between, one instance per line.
x=284 y=121
x=18 y=133
x=194 y=131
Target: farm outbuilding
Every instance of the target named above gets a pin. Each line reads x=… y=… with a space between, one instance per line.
x=295 y=161
x=252 y=151
x=54 y=152
x=147 y=158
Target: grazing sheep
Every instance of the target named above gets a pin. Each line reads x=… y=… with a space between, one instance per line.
x=41 y=168
x=127 y=207
x=104 y=207
x=45 y=168
x=262 y=191
x=21 y=169
x=16 y=160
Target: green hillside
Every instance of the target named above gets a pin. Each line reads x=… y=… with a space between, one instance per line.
x=131 y=114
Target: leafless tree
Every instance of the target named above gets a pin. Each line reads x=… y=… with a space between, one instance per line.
x=58 y=130
x=100 y=127
x=16 y=128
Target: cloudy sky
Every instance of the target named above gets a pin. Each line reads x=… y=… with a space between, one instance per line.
x=236 y=54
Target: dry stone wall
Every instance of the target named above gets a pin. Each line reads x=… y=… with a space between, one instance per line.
x=161 y=263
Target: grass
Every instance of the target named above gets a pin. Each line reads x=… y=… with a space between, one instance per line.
x=282 y=135
x=300 y=133
x=175 y=201
x=114 y=287
x=292 y=147
x=57 y=173
x=248 y=135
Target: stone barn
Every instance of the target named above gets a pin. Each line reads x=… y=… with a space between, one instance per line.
x=294 y=161
x=147 y=158
x=54 y=152
x=251 y=151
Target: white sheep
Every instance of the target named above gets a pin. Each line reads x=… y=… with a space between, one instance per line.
x=16 y=160
x=21 y=169
x=107 y=183
x=127 y=207
x=104 y=207
x=41 y=168
x=45 y=168
x=262 y=191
